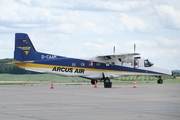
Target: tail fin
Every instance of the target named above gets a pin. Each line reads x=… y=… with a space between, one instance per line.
x=24 y=49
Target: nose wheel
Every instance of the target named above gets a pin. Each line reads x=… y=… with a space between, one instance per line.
x=160 y=81
x=93 y=82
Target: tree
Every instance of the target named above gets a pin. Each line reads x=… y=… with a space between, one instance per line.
x=6 y=67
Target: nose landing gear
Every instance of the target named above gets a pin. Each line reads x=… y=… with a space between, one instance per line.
x=93 y=82
x=160 y=81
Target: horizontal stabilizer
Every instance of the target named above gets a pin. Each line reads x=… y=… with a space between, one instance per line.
x=35 y=70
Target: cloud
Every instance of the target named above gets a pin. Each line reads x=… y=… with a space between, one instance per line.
x=18 y=12
x=1 y=43
x=144 y=43
x=131 y=23
x=122 y=6
x=92 y=27
x=4 y=29
x=109 y=5
x=170 y=43
x=168 y=16
x=100 y=47
x=25 y=25
x=65 y=28
x=100 y=40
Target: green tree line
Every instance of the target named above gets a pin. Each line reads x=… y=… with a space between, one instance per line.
x=7 y=67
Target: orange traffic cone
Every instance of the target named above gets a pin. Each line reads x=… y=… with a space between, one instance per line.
x=134 y=86
x=95 y=84
x=52 y=86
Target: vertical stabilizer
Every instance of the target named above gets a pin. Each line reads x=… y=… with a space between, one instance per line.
x=24 y=49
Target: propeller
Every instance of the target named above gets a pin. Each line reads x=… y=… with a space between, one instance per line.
x=114 y=49
x=134 y=55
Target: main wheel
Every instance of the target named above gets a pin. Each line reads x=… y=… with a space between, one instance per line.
x=93 y=82
x=160 y=81
x=107 y=83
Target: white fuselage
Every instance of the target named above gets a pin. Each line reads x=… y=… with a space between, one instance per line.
x=93 y=68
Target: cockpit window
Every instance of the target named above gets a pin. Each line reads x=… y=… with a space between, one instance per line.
x=147 y=63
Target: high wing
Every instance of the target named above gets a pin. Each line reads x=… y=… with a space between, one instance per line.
x=124 y=57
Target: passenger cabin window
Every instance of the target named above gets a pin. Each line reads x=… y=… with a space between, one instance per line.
x=73 y=64
x=147 y=63
x=90 y=63
x=82 y=64
x=107 y=63
x=98 y=64
x=113 y=63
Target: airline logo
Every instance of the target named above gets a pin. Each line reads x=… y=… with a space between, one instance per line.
x=25 y=49
x=25 y=41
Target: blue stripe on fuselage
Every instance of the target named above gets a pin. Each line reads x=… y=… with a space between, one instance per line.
x=69 y=61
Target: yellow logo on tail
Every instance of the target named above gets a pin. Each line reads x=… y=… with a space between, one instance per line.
x=25 y=49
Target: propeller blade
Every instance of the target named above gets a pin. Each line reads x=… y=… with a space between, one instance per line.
x=134 y=48
x=114 y=49
x=133 y=55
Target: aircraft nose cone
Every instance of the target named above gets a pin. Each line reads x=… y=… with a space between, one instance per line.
x=170 y=73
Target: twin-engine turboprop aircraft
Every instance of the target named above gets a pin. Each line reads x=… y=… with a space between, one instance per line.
x=102 y=67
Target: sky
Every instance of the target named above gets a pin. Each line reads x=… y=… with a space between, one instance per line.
x=86 y=28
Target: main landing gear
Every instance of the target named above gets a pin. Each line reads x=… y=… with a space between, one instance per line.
x=107 y=82
x=160 y=81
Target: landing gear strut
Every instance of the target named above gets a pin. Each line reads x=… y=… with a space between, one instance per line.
x=107 y=82
x=160 y=81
